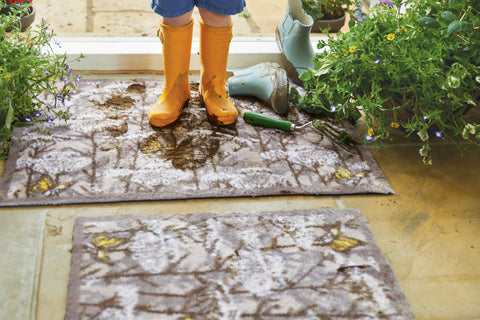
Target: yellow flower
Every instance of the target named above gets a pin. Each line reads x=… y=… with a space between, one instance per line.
x=346 y=53
x=370 y=132
x=394 y=125
x=390 y=36
x=353 y=49
x=403 y=28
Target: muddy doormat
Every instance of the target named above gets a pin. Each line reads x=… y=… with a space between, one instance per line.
x=304 y=264
x=109 y=152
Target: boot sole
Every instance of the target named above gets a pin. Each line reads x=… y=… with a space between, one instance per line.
x=159 y=123
x=289 y=67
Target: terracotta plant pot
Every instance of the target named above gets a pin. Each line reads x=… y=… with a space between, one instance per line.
x=335 y=25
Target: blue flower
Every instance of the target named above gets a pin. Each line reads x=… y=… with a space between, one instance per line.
x=49 y=119
x=333 y=108
x=388 y=3
x=45 y=27
x=37 y=114
x=28 y=119
x=425 y=118
x=438 y=134
x=78 y=78
x=377 y=60
x=8 y=99
x=369 y=138
x=62 y=100
x=46 y=73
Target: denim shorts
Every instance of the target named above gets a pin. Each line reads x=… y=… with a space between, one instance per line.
x=175 y=8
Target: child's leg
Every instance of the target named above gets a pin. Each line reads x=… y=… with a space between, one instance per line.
x=176 y=35
x=215 y=36
x=182 y=20
x=213 y=19
x=214 y=46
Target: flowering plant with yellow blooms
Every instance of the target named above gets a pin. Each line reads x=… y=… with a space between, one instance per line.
x=413 y=65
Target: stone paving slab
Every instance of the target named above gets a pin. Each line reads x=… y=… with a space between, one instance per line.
x=65 y=20
x=21 y=239
x=136 y=19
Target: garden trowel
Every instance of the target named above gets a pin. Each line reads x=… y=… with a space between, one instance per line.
x=340 y=138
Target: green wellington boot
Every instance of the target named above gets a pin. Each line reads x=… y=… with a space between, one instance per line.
x=293 y=40
x=266 y=81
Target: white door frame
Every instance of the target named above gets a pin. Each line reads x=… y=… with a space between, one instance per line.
x=145 y=54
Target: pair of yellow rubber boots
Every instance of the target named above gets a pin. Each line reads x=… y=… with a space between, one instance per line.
x=214 y=46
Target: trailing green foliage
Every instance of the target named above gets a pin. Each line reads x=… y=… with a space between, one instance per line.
x=417 y=68
x=29 y=71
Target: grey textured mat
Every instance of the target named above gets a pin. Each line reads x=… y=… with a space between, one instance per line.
x=109 y=152
x=306 y=264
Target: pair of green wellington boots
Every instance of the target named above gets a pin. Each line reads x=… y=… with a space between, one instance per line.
x=268 y=81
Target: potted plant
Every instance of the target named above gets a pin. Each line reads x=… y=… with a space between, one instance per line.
x=413 y=65
x=21 y=9
x=28 y=71
x=327 y=14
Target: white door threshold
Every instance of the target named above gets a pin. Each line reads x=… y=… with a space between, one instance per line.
x=145 y=54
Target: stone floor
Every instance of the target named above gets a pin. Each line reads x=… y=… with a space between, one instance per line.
x=118 y=18
x=428 y=230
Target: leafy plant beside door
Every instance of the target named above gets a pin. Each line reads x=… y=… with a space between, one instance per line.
x=29 y=72
x=416 y=68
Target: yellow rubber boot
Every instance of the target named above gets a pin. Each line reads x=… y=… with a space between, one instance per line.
x=177 y=44
x=214 y=46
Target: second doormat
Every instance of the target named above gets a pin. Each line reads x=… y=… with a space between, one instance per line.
x=303 y=264
x=109 y=152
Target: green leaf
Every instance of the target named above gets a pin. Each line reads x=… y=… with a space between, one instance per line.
x=423 y=134
x=424 y=150
x=351 y=23
x=425 y=153
x=305 y=76
x=430 y=22
x=326 y=64
x=448 y=16
x=458 y=26
x=22 y=124
x=294 y=96
x=453 y=3
x=9 y=118
x=468 y=130
x=354 y=115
